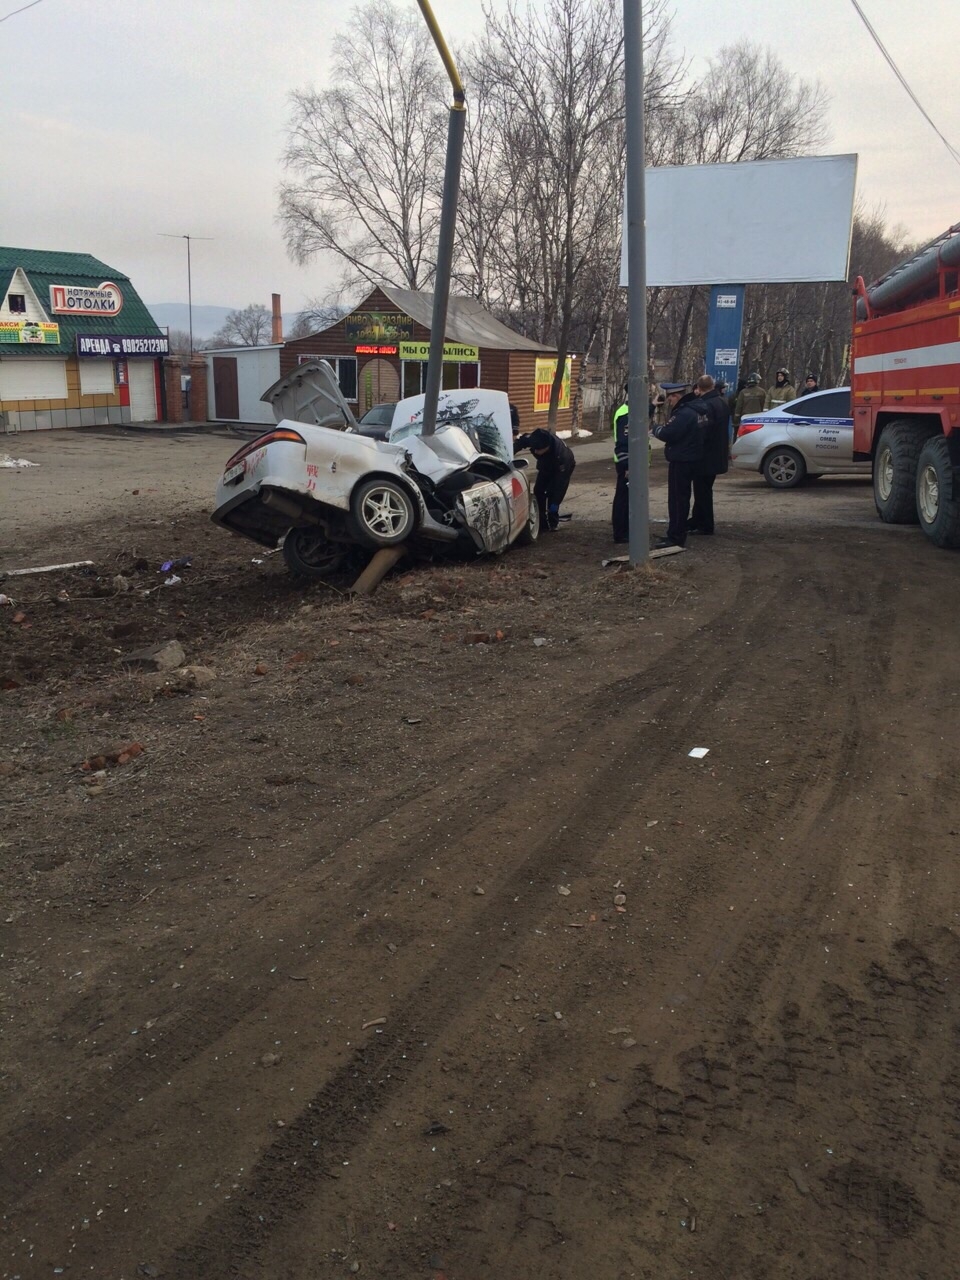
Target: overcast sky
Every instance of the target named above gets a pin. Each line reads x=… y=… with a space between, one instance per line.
x=126 y=118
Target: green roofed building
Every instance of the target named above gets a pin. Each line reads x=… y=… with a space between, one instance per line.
x=78 y=348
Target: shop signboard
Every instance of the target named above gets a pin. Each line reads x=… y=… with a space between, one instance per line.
x=122 y=345
x=376 y=349
x=543 y=384
x=83 y=300
x=377 y=326
x=453 y=352
x=29 y=331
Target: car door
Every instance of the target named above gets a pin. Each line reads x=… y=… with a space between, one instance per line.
x=820 y=426
x=833 y=446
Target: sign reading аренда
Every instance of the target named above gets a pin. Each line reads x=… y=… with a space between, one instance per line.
x=82 y=300
x=122 y=345
x=452 y=351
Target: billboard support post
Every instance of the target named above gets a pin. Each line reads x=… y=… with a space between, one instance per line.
x=724 y=333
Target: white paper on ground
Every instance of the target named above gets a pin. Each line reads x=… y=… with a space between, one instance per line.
x=698 y=752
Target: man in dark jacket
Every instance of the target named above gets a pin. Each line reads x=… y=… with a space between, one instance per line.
x=716 y=454
x=621 y=495
x=555 y=464
x=682 y=434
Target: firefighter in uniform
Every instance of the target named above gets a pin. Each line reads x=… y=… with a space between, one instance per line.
x=782 y=391
x=752 y=399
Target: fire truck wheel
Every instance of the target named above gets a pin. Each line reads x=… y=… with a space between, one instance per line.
x=938 y=502
x=895 y=472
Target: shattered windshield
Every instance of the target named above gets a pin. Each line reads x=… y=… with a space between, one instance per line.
x=480 y=427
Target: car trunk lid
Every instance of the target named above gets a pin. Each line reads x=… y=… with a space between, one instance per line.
x=310 y=393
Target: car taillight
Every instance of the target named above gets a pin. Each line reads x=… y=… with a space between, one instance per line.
x=281 y=433
x=747 y=427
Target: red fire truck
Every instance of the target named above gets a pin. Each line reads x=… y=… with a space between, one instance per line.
x=906 y=389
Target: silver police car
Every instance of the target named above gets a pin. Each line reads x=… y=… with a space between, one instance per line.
x=811 y=436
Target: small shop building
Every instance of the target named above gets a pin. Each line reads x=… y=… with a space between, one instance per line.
x=380 y=354
x=78 y=348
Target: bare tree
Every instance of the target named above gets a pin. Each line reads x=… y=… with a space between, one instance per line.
x=747 y=106
x=316 y=315
x=366 y=157
x=247 y=328
x=544 y=209
x=179 y=340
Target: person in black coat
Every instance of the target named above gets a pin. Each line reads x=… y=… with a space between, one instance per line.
x=682 y=434
x=716 y=454
x=621 y=495
x=555 y=464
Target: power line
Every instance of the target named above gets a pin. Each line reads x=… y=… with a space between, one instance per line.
x=955 y=154
x=22 y=10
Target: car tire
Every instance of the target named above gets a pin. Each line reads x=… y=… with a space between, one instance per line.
x=938 y=507
x=531 y=530
x=383 y=512
x=784 y=468
x=308 y=553
x=895 y=472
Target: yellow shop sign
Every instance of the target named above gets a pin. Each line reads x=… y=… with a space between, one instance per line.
x=543 y=384
x=452 y=351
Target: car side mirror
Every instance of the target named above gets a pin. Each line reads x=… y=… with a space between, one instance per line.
x=521 y=462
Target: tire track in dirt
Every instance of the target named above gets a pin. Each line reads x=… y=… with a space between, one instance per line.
x=323 y=1134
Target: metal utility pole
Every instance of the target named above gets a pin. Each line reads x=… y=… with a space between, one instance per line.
x=638 y=394
x=448 y=221
x=171 y=236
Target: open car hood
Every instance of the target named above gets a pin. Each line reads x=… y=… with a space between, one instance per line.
x=310 y=394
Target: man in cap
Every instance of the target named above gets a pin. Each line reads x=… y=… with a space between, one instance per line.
x=782 y=390
x=716 y=453
x=810 y=384
x=682 y=435
x=555 y=464
x=752 y=399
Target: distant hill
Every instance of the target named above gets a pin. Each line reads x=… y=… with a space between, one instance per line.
x=206 y=320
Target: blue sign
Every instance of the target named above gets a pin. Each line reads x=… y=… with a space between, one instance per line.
x=724 y=330
x=122 y=345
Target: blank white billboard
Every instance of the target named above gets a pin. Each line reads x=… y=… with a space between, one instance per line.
x=759 y=222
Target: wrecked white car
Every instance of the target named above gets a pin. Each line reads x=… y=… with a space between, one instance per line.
x=323 y=489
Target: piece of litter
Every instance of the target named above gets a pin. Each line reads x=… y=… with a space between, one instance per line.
x=7 y=462
x=564 y=890
x=256 y=561
x=181 y=562
x=374 y=1022
x=698 y=752
x=172 y=580
x=539 y=641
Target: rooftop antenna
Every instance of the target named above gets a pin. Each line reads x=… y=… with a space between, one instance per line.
x=172 y=236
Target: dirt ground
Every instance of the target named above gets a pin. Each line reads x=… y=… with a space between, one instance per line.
x=395 y=952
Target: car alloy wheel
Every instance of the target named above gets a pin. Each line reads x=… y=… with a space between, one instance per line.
x=384 y=512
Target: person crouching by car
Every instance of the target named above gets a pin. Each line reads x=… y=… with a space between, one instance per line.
x=682 y=435
x=555 y=464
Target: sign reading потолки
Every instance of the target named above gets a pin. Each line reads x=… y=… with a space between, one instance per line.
x=452 y=351
x=83 y=300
